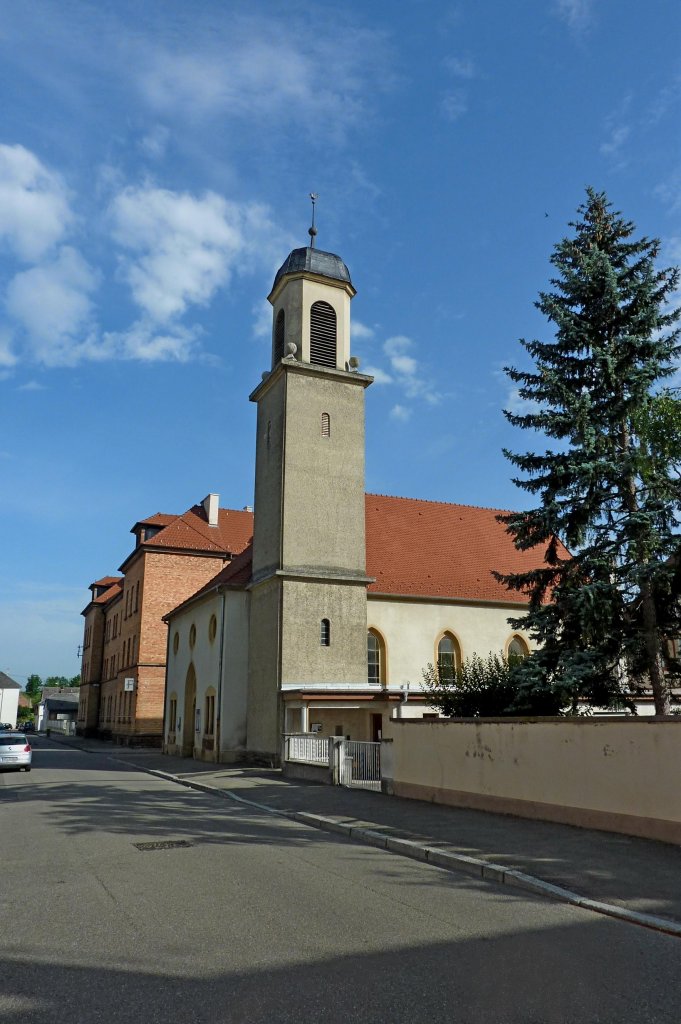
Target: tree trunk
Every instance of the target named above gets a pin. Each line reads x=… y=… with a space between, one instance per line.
x=651 y=632
x=658 y=680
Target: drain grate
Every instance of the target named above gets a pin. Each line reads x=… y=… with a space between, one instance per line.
x=162 y=844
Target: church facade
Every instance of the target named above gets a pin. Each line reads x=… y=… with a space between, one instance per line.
x=325 y=622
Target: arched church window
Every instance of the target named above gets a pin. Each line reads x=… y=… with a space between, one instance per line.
x=325 y=633
x=326 y=425
x=448 y=658
x=279 y=335
x=517 y=648
x=375 y=658
x=323 y=334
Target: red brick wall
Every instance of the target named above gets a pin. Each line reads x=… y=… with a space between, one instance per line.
x=165 y=580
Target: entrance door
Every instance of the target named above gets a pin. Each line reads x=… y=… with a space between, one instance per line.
x=189 y=713
x=376 y=728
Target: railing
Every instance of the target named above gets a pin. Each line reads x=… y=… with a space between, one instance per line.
x=67 y=728
x=306 y=747
x=360 y=765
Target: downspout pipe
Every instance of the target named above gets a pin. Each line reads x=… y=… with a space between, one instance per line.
x=218 y=724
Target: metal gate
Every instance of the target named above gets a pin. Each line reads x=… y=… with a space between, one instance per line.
x=359 y=764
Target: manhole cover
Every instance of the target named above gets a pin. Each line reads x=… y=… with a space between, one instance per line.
x=162 y=844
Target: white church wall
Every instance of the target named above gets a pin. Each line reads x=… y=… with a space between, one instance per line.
x=234 y=676
x=411 y=631
x=220 y=646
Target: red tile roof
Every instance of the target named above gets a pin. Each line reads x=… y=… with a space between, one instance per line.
x=106 y=581
x=434 y=549
x=414 y=548
x=158 y=519
x=191 y=531
x=110 y=593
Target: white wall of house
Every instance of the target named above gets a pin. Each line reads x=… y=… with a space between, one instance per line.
x=9 y=704
x=411 y=631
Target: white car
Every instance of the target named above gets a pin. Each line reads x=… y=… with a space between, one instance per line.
x=15 y=751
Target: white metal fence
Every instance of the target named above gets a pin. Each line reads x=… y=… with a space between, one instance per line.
x=306 y=747
x=360 y=764
x=352 y=763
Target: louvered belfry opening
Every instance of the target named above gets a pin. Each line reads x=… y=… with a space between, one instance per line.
x=279 y=334
x=323 y=334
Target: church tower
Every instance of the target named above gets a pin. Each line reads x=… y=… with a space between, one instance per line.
x=308 y=616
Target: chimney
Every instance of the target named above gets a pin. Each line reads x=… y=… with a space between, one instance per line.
x=210 y=506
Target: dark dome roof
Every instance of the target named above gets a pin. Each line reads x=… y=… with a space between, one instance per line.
x=325 y=264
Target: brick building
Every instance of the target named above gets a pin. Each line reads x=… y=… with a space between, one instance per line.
x=124 y=639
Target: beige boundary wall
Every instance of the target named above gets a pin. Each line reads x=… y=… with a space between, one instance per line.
x=616 y=774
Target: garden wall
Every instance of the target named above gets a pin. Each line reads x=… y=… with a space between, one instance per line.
x=616 y=774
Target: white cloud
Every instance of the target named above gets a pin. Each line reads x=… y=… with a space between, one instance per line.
x=155 y=142
x=400 y=412
x=617 y=137
x=520 y=406
x=379 y=375
x=34 y=204
x=454 y=105
x=404 y=371
x=31 y=385
x=185 y=247
x=147 y=344
x=396 y=345
x=462 y=67
x=269 y=71
x=262 y=320
x=360 y=331
x=404 y=365
x=576 y=13
x=8 y=358
x=52 y=304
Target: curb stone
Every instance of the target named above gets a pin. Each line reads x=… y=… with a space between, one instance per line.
x=484 y=869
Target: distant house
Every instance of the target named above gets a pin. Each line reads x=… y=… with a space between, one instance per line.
x=9 y=700
x=57 y=704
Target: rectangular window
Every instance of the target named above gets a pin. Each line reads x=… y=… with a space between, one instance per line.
x=137 y=594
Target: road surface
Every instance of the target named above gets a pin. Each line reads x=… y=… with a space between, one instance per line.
x=256 y=918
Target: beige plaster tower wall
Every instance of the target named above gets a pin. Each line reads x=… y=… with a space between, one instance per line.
x=309 y=549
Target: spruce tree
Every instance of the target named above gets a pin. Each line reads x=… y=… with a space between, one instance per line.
x=604 y=610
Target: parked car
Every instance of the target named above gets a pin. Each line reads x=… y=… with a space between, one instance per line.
x=6 y=727
x=15 y=751
x=28 y=726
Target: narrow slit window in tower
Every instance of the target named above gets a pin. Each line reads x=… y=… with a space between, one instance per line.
x=326 y=425
x=325 y=633
x=323 y=334
x=279 y=335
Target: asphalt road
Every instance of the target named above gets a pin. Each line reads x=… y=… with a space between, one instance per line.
x=259 y=919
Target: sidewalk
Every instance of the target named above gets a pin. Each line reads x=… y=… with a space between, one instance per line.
x=629 y=875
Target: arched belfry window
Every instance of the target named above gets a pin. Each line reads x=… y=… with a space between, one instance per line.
x=448 y=658
x=325 y=633
x=279 y=335
x=323 y=334
x=326 y=425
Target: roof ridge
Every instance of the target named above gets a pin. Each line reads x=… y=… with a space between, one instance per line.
x=434 y=501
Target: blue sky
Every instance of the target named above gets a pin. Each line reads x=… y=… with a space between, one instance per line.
x=155 y=161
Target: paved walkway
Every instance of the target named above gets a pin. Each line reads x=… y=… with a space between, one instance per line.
x=631 y=876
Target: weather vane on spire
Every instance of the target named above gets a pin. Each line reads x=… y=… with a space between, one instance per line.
x=312 y=231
